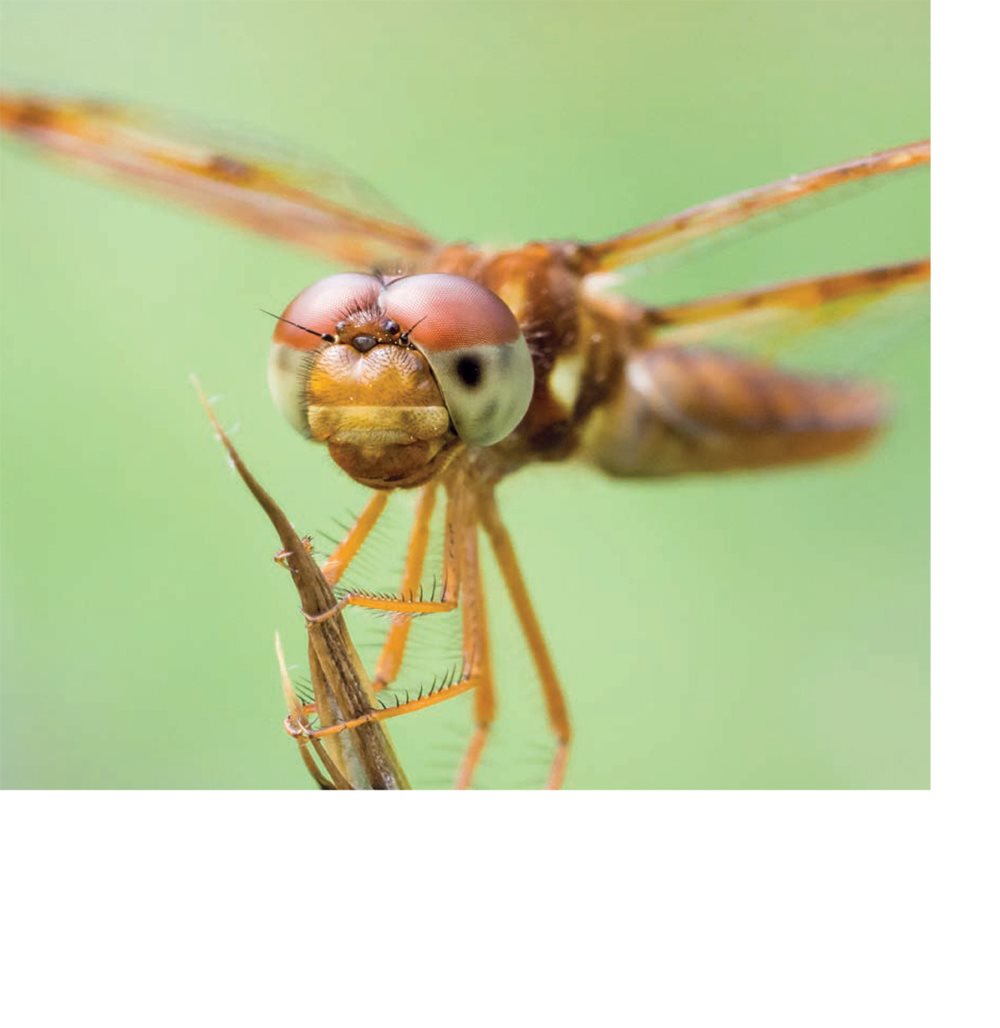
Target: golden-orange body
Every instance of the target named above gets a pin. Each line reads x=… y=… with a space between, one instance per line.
x=635 y=390
x=607 y=394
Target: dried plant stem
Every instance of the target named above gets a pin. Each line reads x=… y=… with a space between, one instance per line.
x=364 y=757
x=330 y=776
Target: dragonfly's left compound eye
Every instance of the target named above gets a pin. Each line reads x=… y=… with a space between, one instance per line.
x=475 y=349
x=309 y=323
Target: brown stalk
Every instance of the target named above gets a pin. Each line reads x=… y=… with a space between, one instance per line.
x=363 y=757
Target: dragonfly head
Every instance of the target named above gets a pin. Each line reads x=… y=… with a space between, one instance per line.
x=393 y=375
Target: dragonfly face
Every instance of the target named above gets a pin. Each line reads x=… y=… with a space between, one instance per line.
x=395 y=374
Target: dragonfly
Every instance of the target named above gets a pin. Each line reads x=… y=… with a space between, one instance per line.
x=444 y=368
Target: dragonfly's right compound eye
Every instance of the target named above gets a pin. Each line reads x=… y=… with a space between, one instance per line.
x=475 y=348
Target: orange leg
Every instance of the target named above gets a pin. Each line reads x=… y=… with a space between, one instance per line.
x=406 y=604
x=555 y=702
x=296 y=726
x=475 y=641
x=342 y=556
x=460 y=541
x=391 y=657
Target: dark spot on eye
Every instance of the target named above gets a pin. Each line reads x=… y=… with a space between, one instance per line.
x=390 y=327
x=469 y=371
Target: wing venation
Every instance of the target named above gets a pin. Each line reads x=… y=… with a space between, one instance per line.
x=716 y=216
x=315 y=207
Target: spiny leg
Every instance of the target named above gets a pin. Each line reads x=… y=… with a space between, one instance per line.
x=391 y=656
x=342 y=556
x=555 y=702
x=407 y=605
x=475 y=640
x=460 y=525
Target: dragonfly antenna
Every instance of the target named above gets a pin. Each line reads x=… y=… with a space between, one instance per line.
x=406 y=335
x=319 y=335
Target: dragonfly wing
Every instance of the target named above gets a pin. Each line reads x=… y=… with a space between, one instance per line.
x=797 y=318
x=717 y=217
x=705 y=394
x=315 y=207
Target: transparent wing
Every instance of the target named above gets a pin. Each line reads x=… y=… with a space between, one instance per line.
x=718 y=218
x=824 y=322
x=315 y=207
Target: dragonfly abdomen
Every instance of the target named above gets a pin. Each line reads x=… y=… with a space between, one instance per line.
x=684 y=410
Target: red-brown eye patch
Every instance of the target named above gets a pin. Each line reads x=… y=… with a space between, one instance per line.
x=447 y=312
x=323 y=305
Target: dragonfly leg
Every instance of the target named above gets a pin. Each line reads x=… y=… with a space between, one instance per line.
x=555 y=702
x=407 y=604
x=296 y=728
x=342 y=556
x=475 y=661
x=475 y=645
x=391 y=656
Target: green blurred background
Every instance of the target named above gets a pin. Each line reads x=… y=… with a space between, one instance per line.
x=763 y=631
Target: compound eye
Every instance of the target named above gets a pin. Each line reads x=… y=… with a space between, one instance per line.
x=475 y=348
x=324 y=306
x=309 y=323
